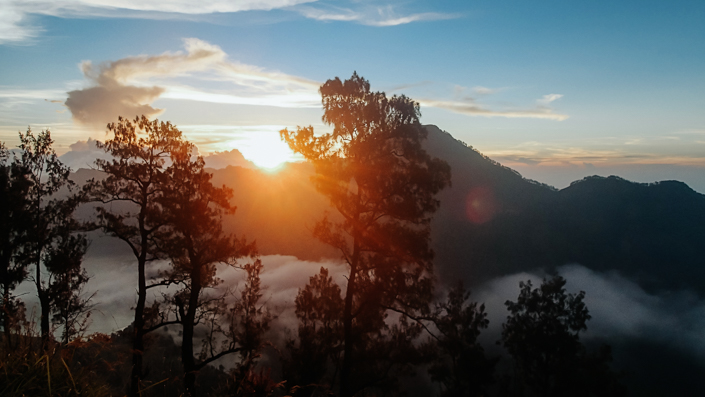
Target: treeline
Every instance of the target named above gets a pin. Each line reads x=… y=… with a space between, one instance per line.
x=370 y=336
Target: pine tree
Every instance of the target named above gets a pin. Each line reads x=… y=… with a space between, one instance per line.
x=382 y=183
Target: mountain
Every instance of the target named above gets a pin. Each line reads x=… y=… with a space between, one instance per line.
x=493 y=222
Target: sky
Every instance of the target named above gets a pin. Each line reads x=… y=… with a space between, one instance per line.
x=557 y=90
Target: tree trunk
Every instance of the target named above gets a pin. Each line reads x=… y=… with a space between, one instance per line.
x=138 y=327
x=345 y=387
x=44 y=306
x=6 y=310
x=190 y=370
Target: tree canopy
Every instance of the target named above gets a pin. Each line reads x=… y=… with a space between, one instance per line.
x=382 y=183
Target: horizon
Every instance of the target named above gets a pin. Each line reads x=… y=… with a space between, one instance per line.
x=557 y=92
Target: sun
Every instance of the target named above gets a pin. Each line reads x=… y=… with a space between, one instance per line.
x=266 y=150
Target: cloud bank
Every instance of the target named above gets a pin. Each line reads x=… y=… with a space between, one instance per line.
x=619 y=307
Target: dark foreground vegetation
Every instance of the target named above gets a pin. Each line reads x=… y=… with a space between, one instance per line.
x=386 y=331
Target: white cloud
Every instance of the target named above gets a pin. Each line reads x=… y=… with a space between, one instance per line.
x=83 y=154
x=546 y=99
x=130 y=85
x=371 y=15
x=18 y=93
x=15 y=15
x=619 y=307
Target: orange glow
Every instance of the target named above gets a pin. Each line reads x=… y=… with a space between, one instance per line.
x=266 y=150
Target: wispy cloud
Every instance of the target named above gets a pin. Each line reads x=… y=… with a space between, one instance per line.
x=371 y=15
x=470 y=108
x=19 y=93
x=16 y=17
x=546 y=99
x=555 y=155
x=130 y=85
x=17 y=25
x=479 y=90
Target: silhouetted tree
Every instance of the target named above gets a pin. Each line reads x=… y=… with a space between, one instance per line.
x=50 y=244
x=135 y=177
x=542 y=335
x=14 y=187
x=70 y=306
x=196 y=243
x=382 y=183
x=314 y=361
x=460 y=365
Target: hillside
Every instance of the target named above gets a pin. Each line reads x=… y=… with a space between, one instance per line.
x=493 y=222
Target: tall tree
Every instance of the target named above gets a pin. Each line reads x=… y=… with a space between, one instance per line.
x=135 y=177
x=51 y=229
x=382 y=183
x=196 y=243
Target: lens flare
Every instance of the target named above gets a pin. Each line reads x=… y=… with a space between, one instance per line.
x=480 y=205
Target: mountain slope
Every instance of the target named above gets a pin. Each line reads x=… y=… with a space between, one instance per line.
x=493 y=222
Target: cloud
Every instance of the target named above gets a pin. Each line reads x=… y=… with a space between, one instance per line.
x=226 y=158
x=15 y=18
x=113 y=278
x=479 y=90
x=546 y=99
x=97 y=106
x=16 y=93
x=130 y=85
x=470 y=108
x=619 y=307
x=82 y=154
x=379 y=16
x=16 y=26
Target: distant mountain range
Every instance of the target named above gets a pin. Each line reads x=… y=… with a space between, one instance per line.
x=493 y=222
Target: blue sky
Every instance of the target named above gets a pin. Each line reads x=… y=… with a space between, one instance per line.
x=557 y=90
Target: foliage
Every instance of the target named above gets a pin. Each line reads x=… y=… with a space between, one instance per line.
x=135 y=177
x=26 y=372
x=47 y=239
x=14 y=188
x=195 y=242
x=314 y=361
x=542 y=336
x=460 y=365
x=382 y=183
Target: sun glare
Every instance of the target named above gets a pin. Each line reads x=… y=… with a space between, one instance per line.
x=266 y=150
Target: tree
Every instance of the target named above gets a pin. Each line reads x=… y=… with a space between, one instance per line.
x=320 y=335
x=194 y=240
x=50 y=243
x=135 y=177
x=382 y=184
x=541 y=334
x=460 y=365
x=14 y=187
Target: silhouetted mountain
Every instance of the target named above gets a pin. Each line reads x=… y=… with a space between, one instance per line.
x=493 y=222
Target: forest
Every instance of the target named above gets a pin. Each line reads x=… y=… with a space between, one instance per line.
x=386 y=326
